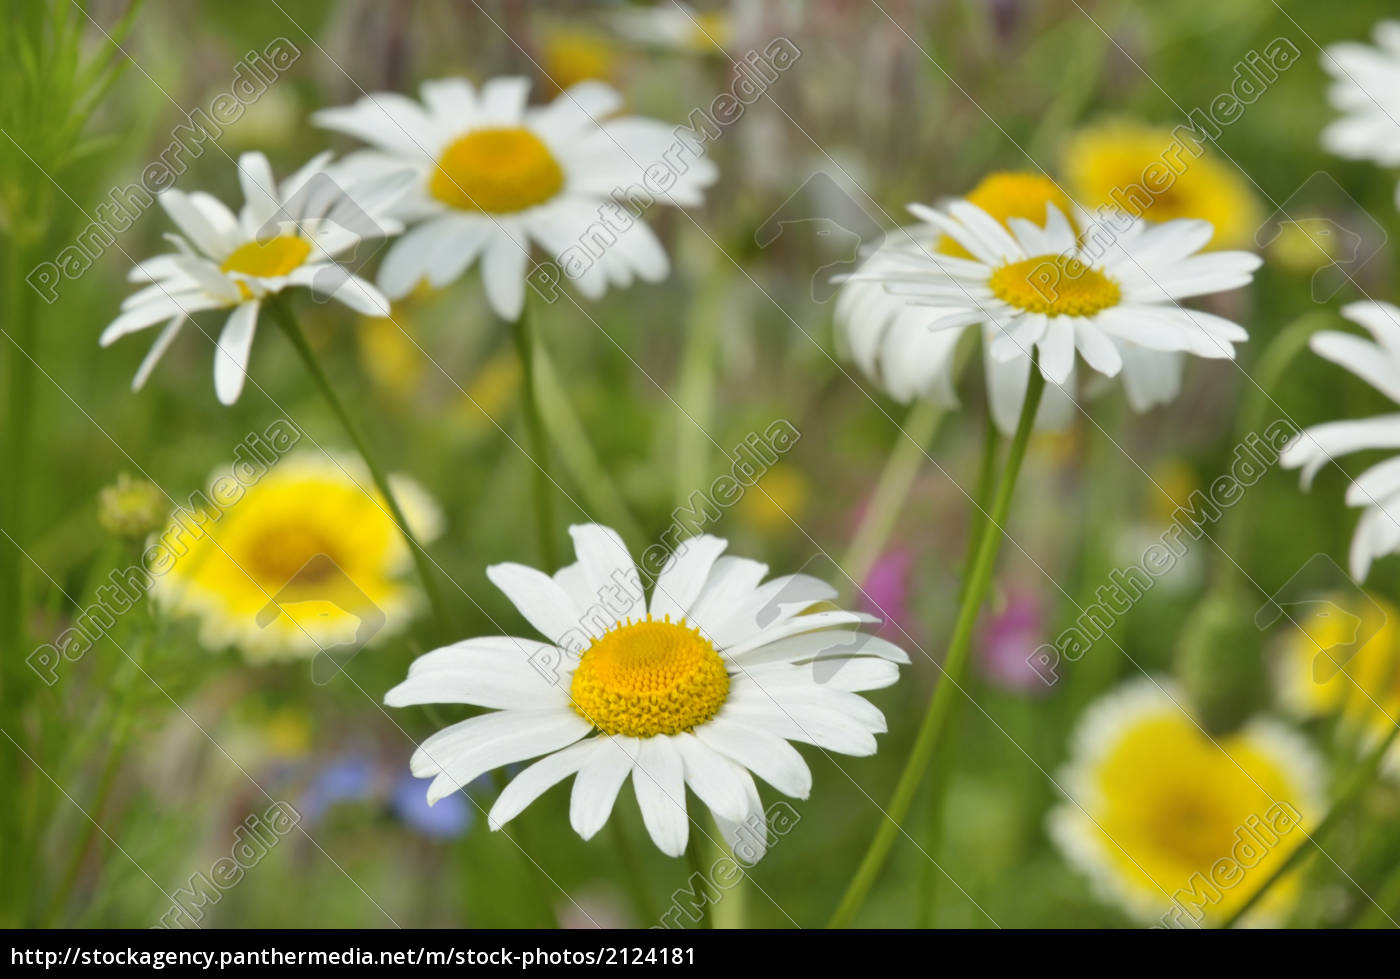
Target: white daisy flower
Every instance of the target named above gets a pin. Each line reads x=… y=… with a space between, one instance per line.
x=493 y=176
x=1109 y=293
x=286 y=235
x=703 y=687
x=675 y=26
x=1377 y=490
x=1366 y=90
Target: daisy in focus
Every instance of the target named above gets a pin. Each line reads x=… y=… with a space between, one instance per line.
x=1177 y=828
x=879 y=327
x=1109 y=293
x=493 y=176
x=1321 y=673
x=702 y=687
x=298 y=561
x=286 y=235
x=1377 y=490
x=1151 y=173
x=1366 y=90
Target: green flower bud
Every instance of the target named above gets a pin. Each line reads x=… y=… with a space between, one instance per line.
x=1220 y=661
x=131 y=508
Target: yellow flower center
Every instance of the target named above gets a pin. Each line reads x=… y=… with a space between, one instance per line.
x=268 y=259
x=496 y=171
x=1010 y=194
x=1054 y=285
x=648 y=678
x=281 y=550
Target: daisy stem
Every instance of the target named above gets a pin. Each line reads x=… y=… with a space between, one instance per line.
x=523 y=331
x=891 y=490
x=942 y=761
x=1282 y=350
x=697 y=869
x=1347 y=798
x=955 y=664
x=632 y=874
x=287 y=320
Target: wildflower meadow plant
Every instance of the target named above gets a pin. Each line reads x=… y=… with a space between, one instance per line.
x=861 y=624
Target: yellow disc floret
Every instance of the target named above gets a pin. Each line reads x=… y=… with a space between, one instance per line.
x=1010 y=194
x=496 y=171
x=270 y=258
x=648 y=678
x=1055 y=285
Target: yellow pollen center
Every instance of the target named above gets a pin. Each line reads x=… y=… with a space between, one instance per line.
x=649 y=678
x=281 y=551
x=1054 y=285
x=268 y=259
x=496 y=171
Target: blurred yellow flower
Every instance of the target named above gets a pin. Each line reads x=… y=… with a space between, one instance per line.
x=1153 y=174
x=288 y=733
x=1011 y=194
x=1306 y=244
x=491 y=392
x=389 y=355
x=1322 y=673
x=1173 y=482
x=570 y=56
x=1178 y=828
x=778 y=498
x=313 y=536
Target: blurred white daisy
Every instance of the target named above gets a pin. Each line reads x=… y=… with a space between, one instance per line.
x=676 y=26
x=286 y=235
x=493 y=176
x=1177 y=827
x=1109 y=293
x=704 y=685
x=1366 y=90
x=1377 y=490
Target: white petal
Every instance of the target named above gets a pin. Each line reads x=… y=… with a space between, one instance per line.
x=231 y=355
x=610 y=576
x=534 y=781
x=545 y=605
x=765 y=754
x=712 y=778
x=683 y=576
x=659 y=781
x=598 y=782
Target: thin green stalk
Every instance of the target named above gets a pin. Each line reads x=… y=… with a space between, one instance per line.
x=882 y=512
x=523 y=331
x=1282 y=350
x=955 y=664
x=695 y=386
x=697 y=866
x=282 y=313
x=1387 y=906
x=1347 y=799
x=632 y=875
x=986 y=482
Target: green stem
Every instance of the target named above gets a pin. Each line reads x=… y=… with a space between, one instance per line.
x=887 y=502
x=523 y=331
x=1347 y=799
x=955 y=664
x=697 y=866
x=632 y=874
x=986 y=481
x=1282 y=350
x=282 y=313
x=1387 y=906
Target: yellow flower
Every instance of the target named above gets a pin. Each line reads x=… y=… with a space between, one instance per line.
x=1173 y=482
x=389 y=355
x=777 y=499
x=1011 y=194
x=1151 y=173
x=571 y=56
x=490 y=393
x=1322 y=674
x=1177 y=828
x=313 y=536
